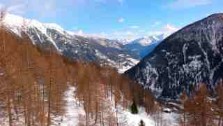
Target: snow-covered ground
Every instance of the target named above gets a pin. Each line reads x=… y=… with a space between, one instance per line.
x=159 y=119
x=134 y=119
x=73 y=110
x=170 y=119
x=131 y=62
x=125 y=117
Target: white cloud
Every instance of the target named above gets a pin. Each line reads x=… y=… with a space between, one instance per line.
x=36 y=7
x=134 y=27
x=123 y=34
x=131 y=34
x=12 y=7
x=167 y=30
x=121 y=1
x=100 y=1
x=47 y=8
x=16 y=9
x=156 y=23
x=121 y=20
x=105 y=1
x=79 y=32
x=182 y=4
x=170 y=28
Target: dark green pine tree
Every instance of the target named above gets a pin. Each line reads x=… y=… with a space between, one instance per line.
x=141 y=123
x=134 y=109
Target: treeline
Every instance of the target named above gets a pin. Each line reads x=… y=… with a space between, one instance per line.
x=203 y=108
x=33 y=82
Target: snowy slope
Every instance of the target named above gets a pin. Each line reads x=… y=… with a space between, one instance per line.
x=75 y=110
x=86 y=48
x=145 y=45
x=148 y=40
x=18 y=24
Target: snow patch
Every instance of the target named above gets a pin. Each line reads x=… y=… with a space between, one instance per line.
x=73 y=110
x=134 y=119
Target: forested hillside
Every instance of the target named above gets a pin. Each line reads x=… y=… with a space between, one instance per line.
x=33 y=83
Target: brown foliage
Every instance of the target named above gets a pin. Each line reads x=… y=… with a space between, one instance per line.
x=198 y=109
x=33 y=82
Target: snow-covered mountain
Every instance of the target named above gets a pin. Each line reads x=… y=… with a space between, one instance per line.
x=145 y=45
x=124 y=41
x=148 y=40
x=92 y=49
x=188 y=57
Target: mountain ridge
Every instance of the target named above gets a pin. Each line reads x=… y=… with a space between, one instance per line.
x=186 y=58
x=76 y=47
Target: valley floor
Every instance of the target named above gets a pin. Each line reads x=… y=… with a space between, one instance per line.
x=75 y=115
x=74 y=110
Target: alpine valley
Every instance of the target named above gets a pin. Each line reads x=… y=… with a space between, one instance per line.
x=53 y=77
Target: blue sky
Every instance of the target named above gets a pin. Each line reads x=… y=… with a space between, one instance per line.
x=116 y=18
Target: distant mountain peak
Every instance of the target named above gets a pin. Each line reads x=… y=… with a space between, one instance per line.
x=143 y=46
x=147 y=40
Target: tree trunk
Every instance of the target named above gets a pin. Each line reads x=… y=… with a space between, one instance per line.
x=9 y=110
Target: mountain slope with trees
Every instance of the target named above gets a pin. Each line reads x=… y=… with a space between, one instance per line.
x=188 y=57
x=34 y=81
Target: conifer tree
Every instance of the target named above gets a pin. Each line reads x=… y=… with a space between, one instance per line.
x=134 y=109
x=141 y=123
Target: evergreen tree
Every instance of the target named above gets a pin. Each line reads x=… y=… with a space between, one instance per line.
x=141 y=123
x=134 y=109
